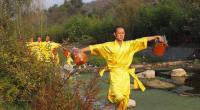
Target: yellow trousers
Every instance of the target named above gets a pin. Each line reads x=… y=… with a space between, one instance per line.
x=119 y=89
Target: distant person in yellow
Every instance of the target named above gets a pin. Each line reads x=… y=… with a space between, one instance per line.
x=50 y=50
x=30 y=45
x=39 y=49
x=47 y=49
x=69 y=65
x=119 y=55
x=44 y=51
x=69 y=60
x=36 y=48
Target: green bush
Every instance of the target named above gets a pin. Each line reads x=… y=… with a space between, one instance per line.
x=96 y=60
x=137 y=59
x=166 y=17
x=39 y=84
x=79 y=26
x=103 y=29
x=21 y=74
x=76 y=27
x=56 y=32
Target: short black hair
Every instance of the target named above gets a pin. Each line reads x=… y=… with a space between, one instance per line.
x=117 y=28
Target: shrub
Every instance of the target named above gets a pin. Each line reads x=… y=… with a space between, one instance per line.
x=166 y=17
x=96 y=60
x=76 y=27
x=23 y=78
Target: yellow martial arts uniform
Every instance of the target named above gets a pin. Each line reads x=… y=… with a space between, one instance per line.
x=56 y=57
x=48 y=49
x=32 y=46
x=119 y=59
x=69 y=60
x=39 y=48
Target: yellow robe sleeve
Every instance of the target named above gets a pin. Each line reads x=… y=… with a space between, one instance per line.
x=138 y=44
x=69 y=60
x=101 y=50
x=55 y=45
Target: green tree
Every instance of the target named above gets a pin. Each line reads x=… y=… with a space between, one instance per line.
x=193 y=23
x=76 y=3
x=23 y=78
x=126 y=14
x=166 y=17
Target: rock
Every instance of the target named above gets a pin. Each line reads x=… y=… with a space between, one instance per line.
x=190 y=66
x=76 y=73
x=99 y=104
x=68 y=68
x=147 y=74
x=159 y=84
x=196 y=61
x=178 y=72
x=138 y=66
x=170 y=63
x=111 y=106
x=194 y=55
x=179 y=80
x=182 y=89
x=131 y=103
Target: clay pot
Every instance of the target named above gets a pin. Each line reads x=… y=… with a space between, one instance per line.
x=159 y=49
x=80 y=58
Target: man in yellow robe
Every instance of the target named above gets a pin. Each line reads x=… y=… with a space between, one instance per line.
x=31 y=46
x=50 y=51
x=38 y=48
x=119 y=55
x=54 y=51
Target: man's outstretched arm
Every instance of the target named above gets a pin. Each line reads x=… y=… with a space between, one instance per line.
x=150 y=38
x=86 y=49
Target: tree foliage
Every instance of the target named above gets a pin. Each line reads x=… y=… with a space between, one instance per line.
x=126 y=14
x=139 y=17
x=193 y=22
x=24 y=79
x=166 y=17
x=80 y=27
